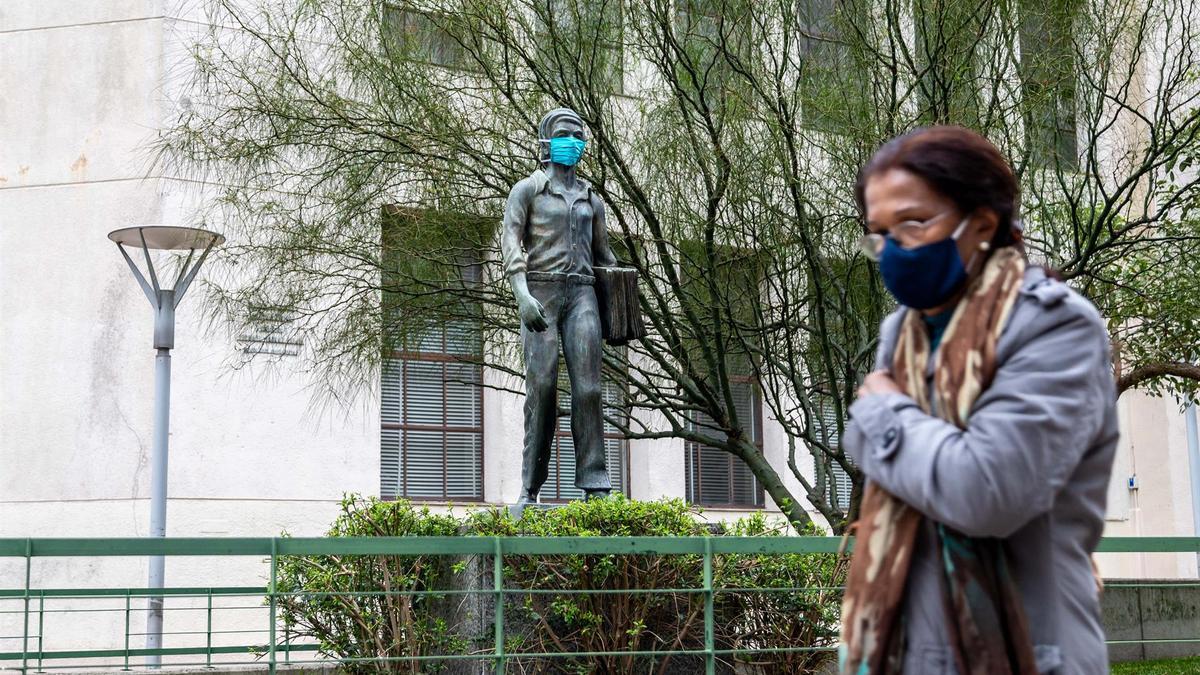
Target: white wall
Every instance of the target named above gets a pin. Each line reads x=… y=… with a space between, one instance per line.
x=84 y=91
x=83 y=87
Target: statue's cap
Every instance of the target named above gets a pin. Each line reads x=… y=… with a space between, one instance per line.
x=555 y=115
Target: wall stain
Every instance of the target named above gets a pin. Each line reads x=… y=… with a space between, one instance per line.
x=139 y=471
x=108 y=381
x=79 y=166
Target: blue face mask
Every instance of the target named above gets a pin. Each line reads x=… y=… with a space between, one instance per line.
x=926 y=276
x=566 y=150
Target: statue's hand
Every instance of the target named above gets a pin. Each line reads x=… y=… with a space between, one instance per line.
x=533 y=315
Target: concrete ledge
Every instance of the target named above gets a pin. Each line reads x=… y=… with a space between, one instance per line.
x=1170 y=610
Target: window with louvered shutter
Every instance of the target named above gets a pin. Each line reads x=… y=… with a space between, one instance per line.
x=432 y=419
x=424 y=36
x=717 y=478
x=1048 y=79
x=560 y=485
x=839 y=481
x=598 y=29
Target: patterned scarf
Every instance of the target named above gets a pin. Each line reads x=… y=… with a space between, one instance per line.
x=984 y=616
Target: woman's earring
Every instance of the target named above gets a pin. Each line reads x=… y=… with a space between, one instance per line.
x=984 y=246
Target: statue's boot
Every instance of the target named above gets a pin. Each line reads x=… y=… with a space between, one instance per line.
x=518 y=509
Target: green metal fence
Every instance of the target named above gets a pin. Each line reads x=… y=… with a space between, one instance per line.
x=30 y=608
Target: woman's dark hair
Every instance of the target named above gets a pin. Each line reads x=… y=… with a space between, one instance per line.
x=959 y=164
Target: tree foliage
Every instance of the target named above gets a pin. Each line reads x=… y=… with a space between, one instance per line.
x=361 y=151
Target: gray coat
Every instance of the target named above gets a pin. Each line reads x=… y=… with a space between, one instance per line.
x=1032 y=467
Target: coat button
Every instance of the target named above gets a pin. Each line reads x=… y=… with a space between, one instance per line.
x=888 y=444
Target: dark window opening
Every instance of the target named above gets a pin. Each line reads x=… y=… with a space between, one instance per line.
x=714 y=476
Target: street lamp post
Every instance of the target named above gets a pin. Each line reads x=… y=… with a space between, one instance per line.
x=164 y=301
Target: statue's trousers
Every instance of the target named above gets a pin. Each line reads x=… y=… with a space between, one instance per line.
x=574 y=321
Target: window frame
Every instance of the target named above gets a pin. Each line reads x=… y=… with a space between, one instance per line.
x=693 y=466
x=827 y=421
x=459 y=60
x=419 y=352
x=742 y=373
x=1053 y=115
x=443 y=357
x=618 y=86
x=693 y=20
x=819 y=44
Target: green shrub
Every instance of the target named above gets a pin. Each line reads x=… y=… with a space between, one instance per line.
x=599 y=619
x=770 y=619
x=324 y=595
x=620 y=608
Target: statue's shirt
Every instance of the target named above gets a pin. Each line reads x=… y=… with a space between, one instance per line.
x=548 y=228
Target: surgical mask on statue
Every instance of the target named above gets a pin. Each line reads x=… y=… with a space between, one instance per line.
x=566 y=150
x=926 y=276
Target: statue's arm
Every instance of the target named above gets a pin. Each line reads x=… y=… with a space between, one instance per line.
x=602 y=254
x=512 y=237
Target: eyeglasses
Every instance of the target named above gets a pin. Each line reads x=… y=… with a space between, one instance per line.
x=872 y=244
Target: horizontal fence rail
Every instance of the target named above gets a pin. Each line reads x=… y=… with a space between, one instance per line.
x=27 y=612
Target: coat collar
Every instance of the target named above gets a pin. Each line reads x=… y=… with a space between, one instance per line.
x=1043 y=288
x=541 y=181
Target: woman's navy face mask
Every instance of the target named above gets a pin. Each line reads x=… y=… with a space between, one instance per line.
x=926 y=276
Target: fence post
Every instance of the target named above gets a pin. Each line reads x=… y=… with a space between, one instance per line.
x=287 y=643
x=208 y=634
x=126 y=629
x=271 y=646
x=498 y=610
x=710 y=665
x=28 y=576
x=41 y=626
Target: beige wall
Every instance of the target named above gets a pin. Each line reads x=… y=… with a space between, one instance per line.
x=1153 y=449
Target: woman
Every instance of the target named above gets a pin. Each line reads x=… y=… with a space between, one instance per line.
x=986 y=432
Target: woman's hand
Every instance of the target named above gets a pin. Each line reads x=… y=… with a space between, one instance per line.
x=878 y=382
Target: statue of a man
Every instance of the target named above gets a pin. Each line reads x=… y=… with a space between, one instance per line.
x=553 y=236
